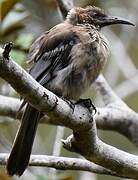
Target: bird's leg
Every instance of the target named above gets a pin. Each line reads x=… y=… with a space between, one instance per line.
x=71 y=103
x=88 y=104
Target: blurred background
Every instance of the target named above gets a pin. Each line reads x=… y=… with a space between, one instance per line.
x=21 y=21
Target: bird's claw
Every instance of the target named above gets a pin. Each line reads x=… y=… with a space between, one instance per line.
x=88 y=104
x=84 y=102
x=70 y=103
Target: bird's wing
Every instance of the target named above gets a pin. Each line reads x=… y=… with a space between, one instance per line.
x=53 y=54
x=50 y=53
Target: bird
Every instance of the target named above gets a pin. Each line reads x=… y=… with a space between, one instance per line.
x=66 y=60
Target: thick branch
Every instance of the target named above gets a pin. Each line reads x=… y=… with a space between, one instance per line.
x=93 y=149
x=123 y=121
x=112 y=117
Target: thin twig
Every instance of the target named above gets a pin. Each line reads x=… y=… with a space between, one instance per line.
x=62 y=163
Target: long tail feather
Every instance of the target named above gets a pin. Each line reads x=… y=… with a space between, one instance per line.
x=22 y=147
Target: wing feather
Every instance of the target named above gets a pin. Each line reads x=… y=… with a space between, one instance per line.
x=53 y=55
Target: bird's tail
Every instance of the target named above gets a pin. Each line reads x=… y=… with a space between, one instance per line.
x=21 y=150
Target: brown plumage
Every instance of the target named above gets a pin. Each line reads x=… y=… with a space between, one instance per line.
x=66 y=60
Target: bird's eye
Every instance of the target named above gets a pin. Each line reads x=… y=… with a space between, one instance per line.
x=99 y=16
x=96 y=15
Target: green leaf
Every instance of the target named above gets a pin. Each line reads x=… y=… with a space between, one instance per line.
x=18 y=56
x=24 y=41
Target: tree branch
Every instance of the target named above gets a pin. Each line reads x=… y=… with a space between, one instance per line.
x=112 y=117
x=116 y=115
x=62 y=163
x=9 y=106
x=64 y=6
x=105 y=90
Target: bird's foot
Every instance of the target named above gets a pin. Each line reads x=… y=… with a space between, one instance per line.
x=70 y=103
x=88 y=104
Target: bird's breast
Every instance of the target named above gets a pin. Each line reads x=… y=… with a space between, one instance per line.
x=86 y=62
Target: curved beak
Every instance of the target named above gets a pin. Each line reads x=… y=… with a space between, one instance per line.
x=109 y=20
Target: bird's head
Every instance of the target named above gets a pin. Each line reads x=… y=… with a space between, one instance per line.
x=95 y=16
